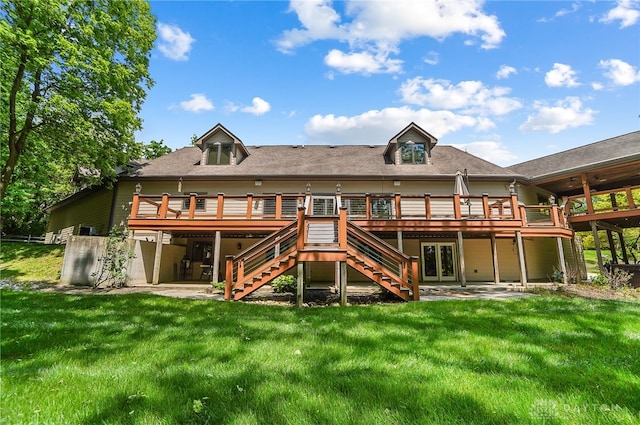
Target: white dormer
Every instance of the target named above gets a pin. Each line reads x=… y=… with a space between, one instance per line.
x=412 y=145
x=221 y=147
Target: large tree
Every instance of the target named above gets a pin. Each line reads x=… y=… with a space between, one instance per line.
x=74 y=74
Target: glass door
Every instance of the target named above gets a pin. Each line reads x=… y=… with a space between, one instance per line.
x=438 y=261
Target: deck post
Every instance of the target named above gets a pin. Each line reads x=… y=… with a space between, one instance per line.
x=563 y=264
x=596 y=241
x=157 y=258
x=300 y=288
x=135 y=205
x=463 y=270
x=625 y=257
x=523 y=263
x=343 y=283
x=612 y=247
x=415 y=278
x=229 y=278
x=494 y=253
x=216 y=258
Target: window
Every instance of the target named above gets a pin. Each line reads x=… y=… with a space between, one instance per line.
x=219 y=153
x=200 y=204
x=201 y=251
x=413 y=153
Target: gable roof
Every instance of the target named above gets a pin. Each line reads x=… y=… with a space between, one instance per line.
x=412 y=126
x=317 y=161
x=200 y=141
x=608 y=152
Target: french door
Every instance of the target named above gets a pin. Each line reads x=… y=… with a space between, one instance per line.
x=439 y=261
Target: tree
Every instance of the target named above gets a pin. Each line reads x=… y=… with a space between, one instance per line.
x=75 y=74
x=154 y=149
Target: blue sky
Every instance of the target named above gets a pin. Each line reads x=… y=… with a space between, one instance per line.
x=504 y=80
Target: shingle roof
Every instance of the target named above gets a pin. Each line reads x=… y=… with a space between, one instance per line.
x=350 y=161
x=610 y=151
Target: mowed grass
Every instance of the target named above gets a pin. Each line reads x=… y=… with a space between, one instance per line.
x=24 y=262
x=145 y=359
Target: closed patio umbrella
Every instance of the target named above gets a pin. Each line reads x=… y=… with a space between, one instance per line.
x=460 y=187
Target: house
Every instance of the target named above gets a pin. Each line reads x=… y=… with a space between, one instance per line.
x=397 y=214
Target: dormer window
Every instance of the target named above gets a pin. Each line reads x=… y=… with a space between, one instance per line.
x=412 y=153
x=219 y=153
x=220 y=147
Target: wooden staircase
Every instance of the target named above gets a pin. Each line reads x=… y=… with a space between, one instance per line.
x=322 y=239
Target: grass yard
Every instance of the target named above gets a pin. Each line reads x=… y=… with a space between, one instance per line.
x=591 y=259
x=145 y=359
x=22 y=262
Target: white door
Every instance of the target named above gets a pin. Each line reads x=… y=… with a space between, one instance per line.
x=438 y=261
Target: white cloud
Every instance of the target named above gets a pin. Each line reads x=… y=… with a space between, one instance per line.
x=491 y=151
x=626 y=11
x=197 y=103
x=561 y=76
x=467 y=96
x=505 y=71
x=372 y=127
x=620 y=72
x=363 y=62
x=597 y=86
x=377 y=28
x=258 y=107
x=567 y=113
x=174 y=43
x=432 y=59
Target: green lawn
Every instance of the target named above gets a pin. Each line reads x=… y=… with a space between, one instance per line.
x=24 y=262
x=145 y=359
x=591 y=259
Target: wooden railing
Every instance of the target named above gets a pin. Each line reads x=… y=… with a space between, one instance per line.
x=602 y=202
x=367 y=206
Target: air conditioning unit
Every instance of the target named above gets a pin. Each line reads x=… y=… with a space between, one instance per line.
x=87 y=231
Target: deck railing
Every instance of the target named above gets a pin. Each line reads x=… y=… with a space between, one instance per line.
x=367 y=206
x=605 y=201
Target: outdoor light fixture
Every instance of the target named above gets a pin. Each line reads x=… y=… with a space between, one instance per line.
x=258 y=182
x=338 y=188
x=138 y=188
x=308 y=187
x=396 y=182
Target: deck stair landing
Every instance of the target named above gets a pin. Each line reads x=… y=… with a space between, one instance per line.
x=329 y=238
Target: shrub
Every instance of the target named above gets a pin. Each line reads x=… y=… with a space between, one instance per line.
x=219 y=285
x=284 y=283
x=616 y=279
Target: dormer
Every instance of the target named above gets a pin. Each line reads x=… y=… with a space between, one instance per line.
x=221 y=147
x=412 y=145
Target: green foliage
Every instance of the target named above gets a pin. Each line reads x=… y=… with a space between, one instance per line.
x=284 y=283
x=154 y=149
x=73 y=79
x=112 y=271
x=219 y=285
x=616 y=279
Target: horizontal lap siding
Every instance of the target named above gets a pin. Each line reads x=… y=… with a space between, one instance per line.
x=412 y=208
x=92 y=210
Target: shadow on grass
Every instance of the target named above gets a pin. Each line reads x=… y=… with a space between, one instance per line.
x=217 y=362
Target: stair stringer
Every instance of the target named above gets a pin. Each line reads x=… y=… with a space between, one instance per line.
x=378 y=275
x=264 y=275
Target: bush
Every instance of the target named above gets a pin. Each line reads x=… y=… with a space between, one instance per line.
x=285 y=283
x=615 y=279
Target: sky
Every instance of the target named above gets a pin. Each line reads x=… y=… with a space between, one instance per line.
x=507 y=81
